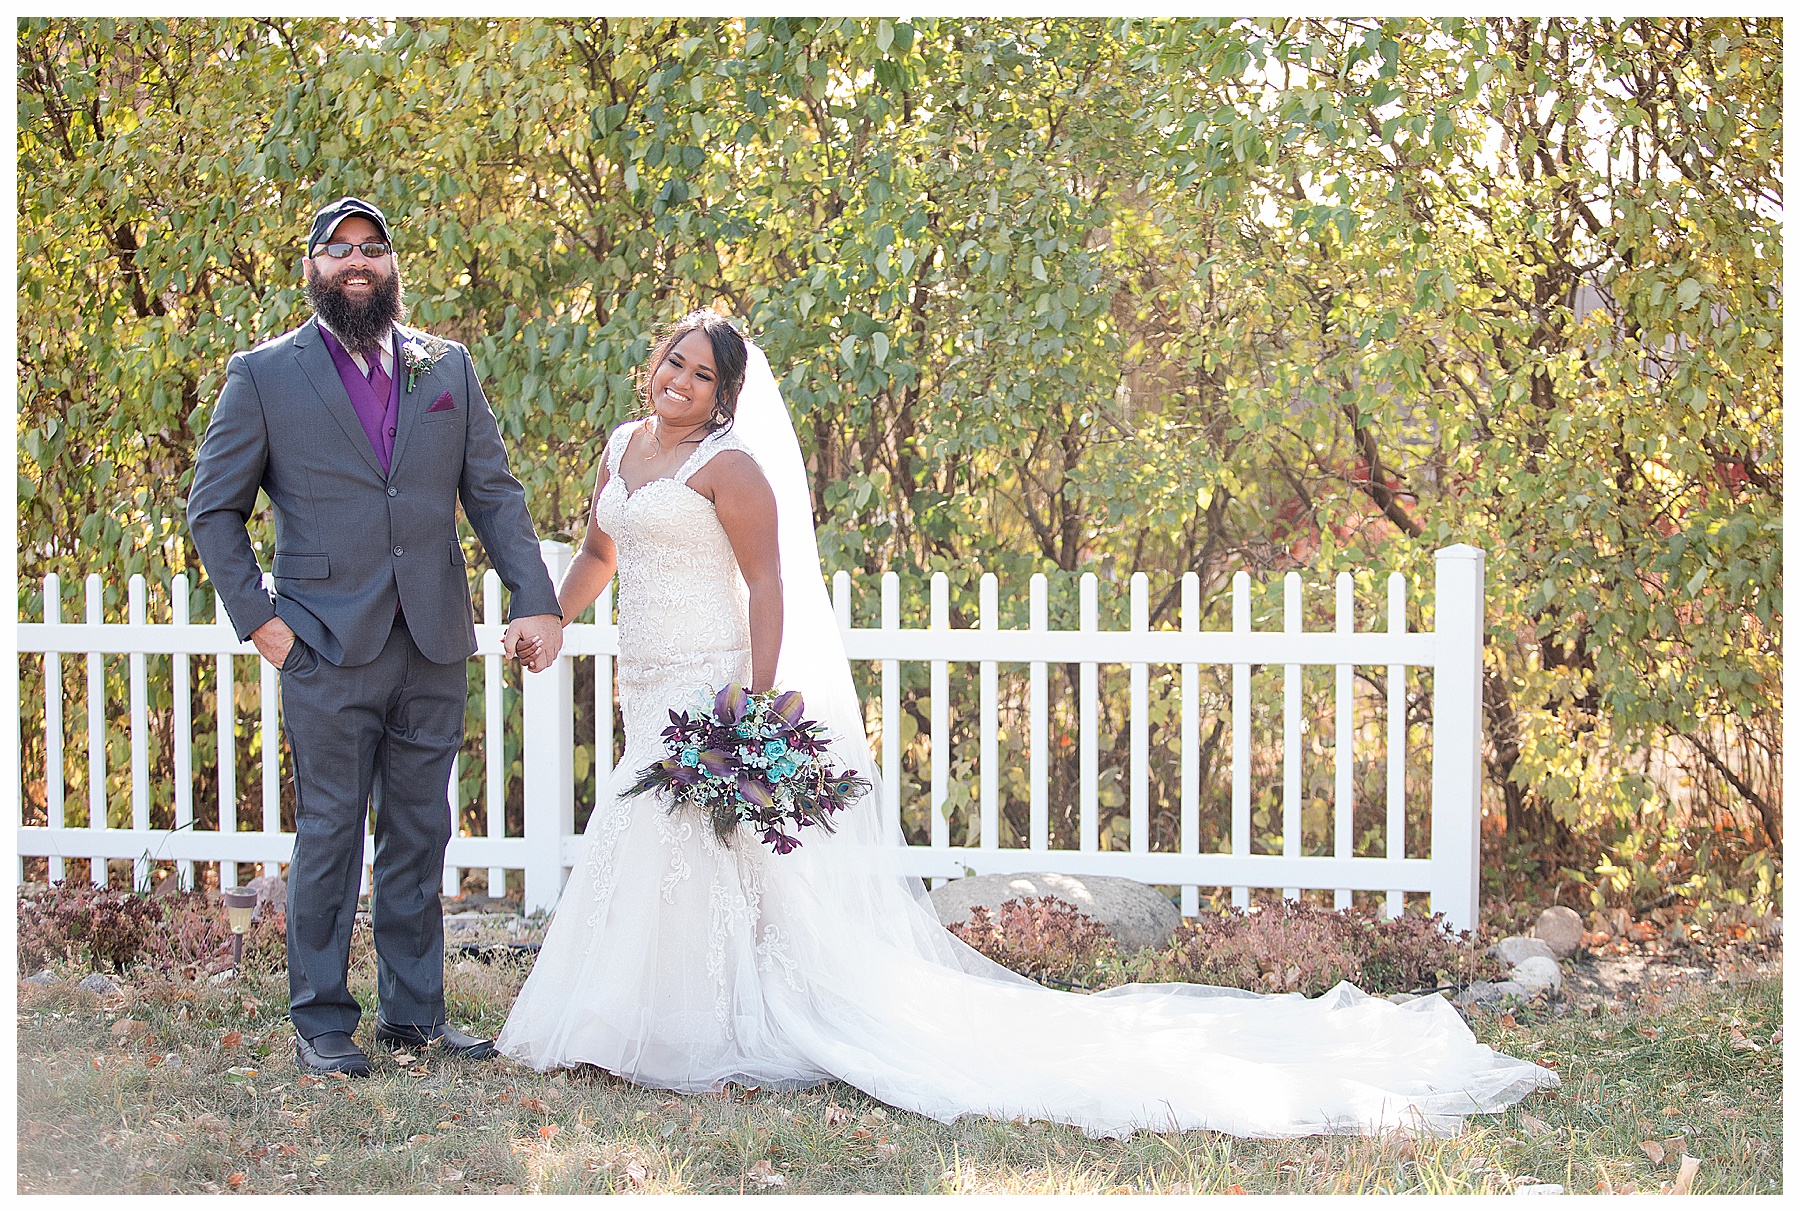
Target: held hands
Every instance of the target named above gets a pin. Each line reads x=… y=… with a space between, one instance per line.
x=534 y=640
x=274 y=639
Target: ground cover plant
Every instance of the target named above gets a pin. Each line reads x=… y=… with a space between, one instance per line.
x=176 y=1083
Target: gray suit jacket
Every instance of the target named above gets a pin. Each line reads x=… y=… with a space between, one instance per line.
x=351 y=542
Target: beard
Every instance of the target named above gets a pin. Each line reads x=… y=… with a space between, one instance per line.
x=362 y=324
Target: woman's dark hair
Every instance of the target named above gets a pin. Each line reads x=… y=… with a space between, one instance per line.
x=729 y=358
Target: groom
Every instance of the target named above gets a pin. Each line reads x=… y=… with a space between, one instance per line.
x=365 y=433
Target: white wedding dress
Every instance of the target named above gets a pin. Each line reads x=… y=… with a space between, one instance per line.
x=682 y=963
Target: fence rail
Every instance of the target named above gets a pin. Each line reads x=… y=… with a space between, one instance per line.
x=548 y=846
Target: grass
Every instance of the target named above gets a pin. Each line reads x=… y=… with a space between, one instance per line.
x=185 y=1086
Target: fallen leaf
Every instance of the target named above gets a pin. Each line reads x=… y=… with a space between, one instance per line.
x=862 y=1134
x=231 y=1039
x=537 y=1105
x=1533 y=1126
x=1675 y=1146
x=763 y=1174
x=1652 y=1150
x=637 y=1174
x=549 y=1131
x=1507 y=1020
x=129 y=1026
x=404 y=1059
x=884 y=1146
x=235 y=1180
x=1235 y=1189
x=1684 y=1180
x=835 y=1114
x=506 y=1189
x=418 y=1138
x=1671 y=1111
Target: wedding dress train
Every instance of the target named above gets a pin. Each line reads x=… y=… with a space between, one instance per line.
x=680 y=962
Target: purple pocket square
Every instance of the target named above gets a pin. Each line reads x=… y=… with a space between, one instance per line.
x=442 y=404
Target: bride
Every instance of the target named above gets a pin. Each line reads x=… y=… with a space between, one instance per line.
x=681 y=962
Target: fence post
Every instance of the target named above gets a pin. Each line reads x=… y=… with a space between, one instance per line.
x=1460 y=597
x=547 y=751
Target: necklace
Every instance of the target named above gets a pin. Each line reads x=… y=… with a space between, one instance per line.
x=655 y=432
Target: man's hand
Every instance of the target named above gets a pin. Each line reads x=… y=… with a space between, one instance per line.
x=534 y=640
x=274 y=639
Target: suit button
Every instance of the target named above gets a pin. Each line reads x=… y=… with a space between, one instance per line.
x=393 y=492
x=399 y=551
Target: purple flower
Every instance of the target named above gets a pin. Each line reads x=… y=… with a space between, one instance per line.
x=789 y=706
x=729 y=704
x=754 y=791
x=717 y=762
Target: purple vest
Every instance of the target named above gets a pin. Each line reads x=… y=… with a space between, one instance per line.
x=380 y=416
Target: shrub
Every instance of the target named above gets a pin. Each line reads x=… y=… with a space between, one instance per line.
x=1040 y=937
x=1299 y=947
x=76 y=922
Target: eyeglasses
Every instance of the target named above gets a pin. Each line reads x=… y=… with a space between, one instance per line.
x=374 y=250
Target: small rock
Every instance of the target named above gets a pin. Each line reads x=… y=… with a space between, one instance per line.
x=99 y=984
x=1511 y=951
x=1538 y=972
x=1135 y=914
x=1492 y=993
x=1560 y=927
x=171 y=1061
x=42 y=978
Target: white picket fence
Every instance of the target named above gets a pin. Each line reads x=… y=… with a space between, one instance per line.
x=549 y=846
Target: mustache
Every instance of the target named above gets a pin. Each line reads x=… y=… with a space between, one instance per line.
x=363 y=323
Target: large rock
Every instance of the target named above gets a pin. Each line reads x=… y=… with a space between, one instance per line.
x=1135 y=914
x=1538 y=972
x=1560 y=927
x=270 y=890
x=1511 y=951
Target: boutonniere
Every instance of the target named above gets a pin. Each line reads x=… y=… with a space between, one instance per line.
x=419 y=354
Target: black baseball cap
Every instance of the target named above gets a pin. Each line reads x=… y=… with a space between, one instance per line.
x=333 y=213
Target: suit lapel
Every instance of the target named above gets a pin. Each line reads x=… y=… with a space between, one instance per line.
x=315 y=361
x=410 y=400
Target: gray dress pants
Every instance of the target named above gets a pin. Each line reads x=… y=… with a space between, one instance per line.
x=379 y=736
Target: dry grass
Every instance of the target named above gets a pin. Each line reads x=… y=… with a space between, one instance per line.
x=191 y=1087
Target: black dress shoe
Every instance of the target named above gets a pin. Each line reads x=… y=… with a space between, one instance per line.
x=443 y=1035
x=332 y=1052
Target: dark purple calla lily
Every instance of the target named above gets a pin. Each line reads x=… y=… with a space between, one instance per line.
x=729 y=704
x=754 y=791
x=717 y=762
x=789 y=706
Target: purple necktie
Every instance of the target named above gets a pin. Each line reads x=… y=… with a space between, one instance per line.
x=379 y=378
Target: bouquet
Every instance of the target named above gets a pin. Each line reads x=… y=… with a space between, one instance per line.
x=754 y=759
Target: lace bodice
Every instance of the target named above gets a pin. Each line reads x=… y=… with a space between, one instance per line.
x=684 y=624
